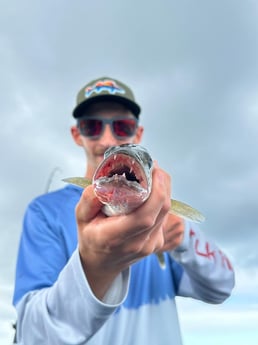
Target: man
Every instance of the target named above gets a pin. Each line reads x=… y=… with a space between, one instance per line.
x=106 y=286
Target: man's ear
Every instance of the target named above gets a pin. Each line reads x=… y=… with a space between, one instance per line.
x=76 y=135
x=138 y=135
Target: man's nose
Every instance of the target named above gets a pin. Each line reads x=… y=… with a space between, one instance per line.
x=107 y=137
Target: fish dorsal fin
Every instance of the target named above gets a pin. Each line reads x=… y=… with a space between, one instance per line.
x=185 y=211
x=78 y=181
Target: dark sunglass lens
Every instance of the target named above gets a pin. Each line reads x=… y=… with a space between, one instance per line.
x=90 y=127
x=125 y=127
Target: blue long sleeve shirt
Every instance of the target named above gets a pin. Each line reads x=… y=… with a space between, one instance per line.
x=55 y=304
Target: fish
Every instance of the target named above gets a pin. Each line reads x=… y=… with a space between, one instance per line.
x=123 y=182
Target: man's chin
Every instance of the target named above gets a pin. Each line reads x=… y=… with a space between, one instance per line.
x=99 y=159
x=100 y=150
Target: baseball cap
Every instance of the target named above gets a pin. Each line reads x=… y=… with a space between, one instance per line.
x=105 y=89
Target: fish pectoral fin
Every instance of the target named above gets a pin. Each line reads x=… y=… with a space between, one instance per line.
x=185 y=211
x=161 y=260
x=78 y=181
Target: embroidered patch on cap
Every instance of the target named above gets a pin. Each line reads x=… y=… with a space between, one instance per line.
x=105 y=85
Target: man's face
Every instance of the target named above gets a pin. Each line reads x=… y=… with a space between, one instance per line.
x=95 y=147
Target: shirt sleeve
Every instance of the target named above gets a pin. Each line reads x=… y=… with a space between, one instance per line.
x=53 y=299
x=68 y=312
x=208 y=274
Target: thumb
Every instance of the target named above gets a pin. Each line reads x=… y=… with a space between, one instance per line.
x=88 y=206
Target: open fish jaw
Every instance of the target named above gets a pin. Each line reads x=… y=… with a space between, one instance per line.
x=122 y=165
x=121 y=183
x=120 y=194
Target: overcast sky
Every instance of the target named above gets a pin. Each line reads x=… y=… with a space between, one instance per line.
x=193 y=66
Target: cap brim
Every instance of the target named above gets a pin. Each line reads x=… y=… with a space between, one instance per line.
x=80 y=109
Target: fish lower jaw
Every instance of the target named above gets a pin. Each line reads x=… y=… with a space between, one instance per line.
x=116 y=210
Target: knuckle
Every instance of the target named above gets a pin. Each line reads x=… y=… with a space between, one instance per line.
x=148 y=221
x=167 y=205
x=147 y=249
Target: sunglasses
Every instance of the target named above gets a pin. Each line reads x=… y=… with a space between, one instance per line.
x=93 y=126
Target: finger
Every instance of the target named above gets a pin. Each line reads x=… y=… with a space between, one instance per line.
x=155 y=241
x=152 y=212
x=157 y=206
x=144 y=246
x=88 y=206
x=161 y=180
x=173 y=232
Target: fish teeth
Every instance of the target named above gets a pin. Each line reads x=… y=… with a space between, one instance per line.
x=115 y=157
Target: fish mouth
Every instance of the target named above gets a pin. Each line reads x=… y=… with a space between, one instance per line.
x=122 y=167
x=123 y=181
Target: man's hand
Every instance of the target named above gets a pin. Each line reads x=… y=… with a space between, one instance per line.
x=173 y=232
x=109 y=245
